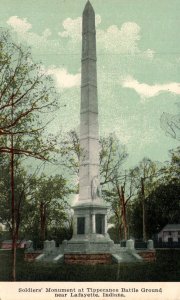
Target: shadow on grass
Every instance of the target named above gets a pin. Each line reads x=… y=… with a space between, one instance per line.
x=166 y=268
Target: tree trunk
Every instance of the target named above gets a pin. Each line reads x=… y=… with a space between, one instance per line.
x=120 y=231
x=124 y=212
x=122 y=207
x=43 y=221
x=143 y=210
x=13 y=234
x=14 y=247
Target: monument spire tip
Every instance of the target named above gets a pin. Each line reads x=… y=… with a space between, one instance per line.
x=88 y=6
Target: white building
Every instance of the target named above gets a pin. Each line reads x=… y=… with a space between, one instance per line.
x=170 y=233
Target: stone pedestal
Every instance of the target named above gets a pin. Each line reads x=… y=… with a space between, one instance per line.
x=130 y=244
x=90 y=230
x=150 y=245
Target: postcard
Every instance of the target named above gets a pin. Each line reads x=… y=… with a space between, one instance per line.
x=89 y=149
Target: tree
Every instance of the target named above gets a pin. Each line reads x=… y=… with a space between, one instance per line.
x=25 y=92
x=126 y=192
x=40 y=204
x=171 y=169
x=5 y=197
x=161 y=190
x=145 y=180
x=163 y=207
x=119 y=194
x=48 y=198
x=112 y=156
x=113 y=179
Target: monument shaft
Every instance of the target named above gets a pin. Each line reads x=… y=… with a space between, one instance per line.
x=90 y=212
x=89 y=129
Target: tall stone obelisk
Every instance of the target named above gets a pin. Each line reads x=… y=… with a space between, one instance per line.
x=89 y=129
x=90 y=212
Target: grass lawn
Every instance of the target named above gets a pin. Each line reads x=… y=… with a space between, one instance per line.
x=166 y=268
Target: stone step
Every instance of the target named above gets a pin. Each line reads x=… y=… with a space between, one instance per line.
x=126 y=257
x=54 y=257
x=59 y=258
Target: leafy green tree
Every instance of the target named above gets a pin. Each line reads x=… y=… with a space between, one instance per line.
x=25 y=92
x=161 y=198
x=163 y=207
x=50 y=200
x=171 y=169
x=5 y=197
x=40 y=204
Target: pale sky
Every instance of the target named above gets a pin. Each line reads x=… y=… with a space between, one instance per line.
x=138 y=60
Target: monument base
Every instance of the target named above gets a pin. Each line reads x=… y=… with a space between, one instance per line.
x=85 y=252
x=93 y=244
x=88 y=259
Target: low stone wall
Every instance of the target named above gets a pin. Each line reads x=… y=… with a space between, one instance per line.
x=31 y=256
x=147 y=255
x=87 y=259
